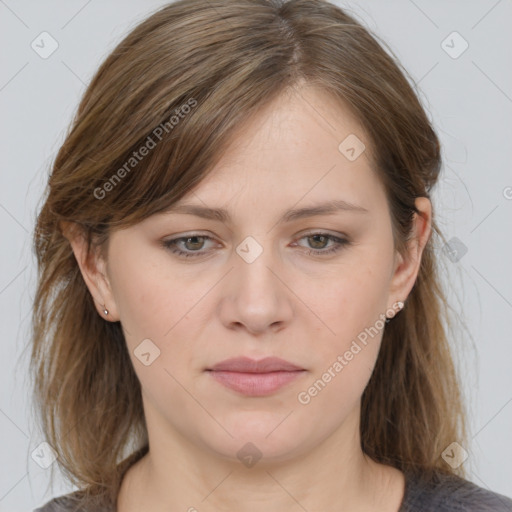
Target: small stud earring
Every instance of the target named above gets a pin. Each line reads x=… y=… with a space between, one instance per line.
x=397 y=304
x=105 y=310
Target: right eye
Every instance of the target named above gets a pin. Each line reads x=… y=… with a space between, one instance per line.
x=194 y=241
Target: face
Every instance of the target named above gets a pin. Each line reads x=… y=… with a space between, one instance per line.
x=312 y=290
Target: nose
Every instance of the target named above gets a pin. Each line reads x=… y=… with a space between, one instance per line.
x=256 y=297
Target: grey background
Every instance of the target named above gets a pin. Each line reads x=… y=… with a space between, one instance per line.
x=469 y=99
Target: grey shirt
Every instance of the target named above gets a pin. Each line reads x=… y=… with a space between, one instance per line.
x=445 y=493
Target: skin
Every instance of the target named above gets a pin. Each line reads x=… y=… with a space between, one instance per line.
x=304 y=308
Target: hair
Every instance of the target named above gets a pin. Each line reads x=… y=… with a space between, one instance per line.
x=182 y=83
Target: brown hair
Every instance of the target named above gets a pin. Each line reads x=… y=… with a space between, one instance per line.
x=193 y=72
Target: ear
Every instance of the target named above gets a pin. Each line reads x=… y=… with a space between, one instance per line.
x=406 y=269
x=94 y=271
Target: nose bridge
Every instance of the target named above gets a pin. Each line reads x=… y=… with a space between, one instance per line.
x=256 y=258
x=258 y=299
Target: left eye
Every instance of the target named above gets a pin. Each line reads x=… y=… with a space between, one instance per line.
x=338 y=243
x=196 y=242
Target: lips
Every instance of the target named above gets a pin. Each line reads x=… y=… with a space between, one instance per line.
x=247 y=365
x=255 y=378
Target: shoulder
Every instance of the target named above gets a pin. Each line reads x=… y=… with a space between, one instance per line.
x=446 y=492
x=72 y=502
x=64 y=503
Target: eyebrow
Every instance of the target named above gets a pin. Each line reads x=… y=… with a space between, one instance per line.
x=222 y=215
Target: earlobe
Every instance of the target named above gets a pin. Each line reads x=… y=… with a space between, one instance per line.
x=93 y=269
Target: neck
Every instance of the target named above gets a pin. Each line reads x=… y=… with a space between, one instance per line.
x=335 y=474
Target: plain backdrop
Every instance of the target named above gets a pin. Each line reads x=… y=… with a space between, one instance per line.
x=465 y=83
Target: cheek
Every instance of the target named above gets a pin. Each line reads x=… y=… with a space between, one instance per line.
x=153 y=310
x=352 y=306
x=353 y=309
x=152 y=296
x=348 y=300
x=160 y=304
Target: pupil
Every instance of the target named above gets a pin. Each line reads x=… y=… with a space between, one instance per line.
x=193 y=238
x=318 y=236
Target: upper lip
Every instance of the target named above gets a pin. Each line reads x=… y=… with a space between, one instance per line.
x=247 y=365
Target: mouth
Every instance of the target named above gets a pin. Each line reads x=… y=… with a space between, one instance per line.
x=255 y=378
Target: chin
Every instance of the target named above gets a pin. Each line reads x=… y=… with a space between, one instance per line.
x=262 y=436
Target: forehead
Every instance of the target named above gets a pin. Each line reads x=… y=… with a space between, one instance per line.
x=298 y=121
x=293 y=148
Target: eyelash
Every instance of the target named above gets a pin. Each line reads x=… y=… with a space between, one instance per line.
x=340 y=243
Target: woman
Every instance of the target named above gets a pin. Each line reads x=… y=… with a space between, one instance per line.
x=238 y=304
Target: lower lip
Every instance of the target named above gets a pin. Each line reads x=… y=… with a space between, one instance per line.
x=255 y=384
